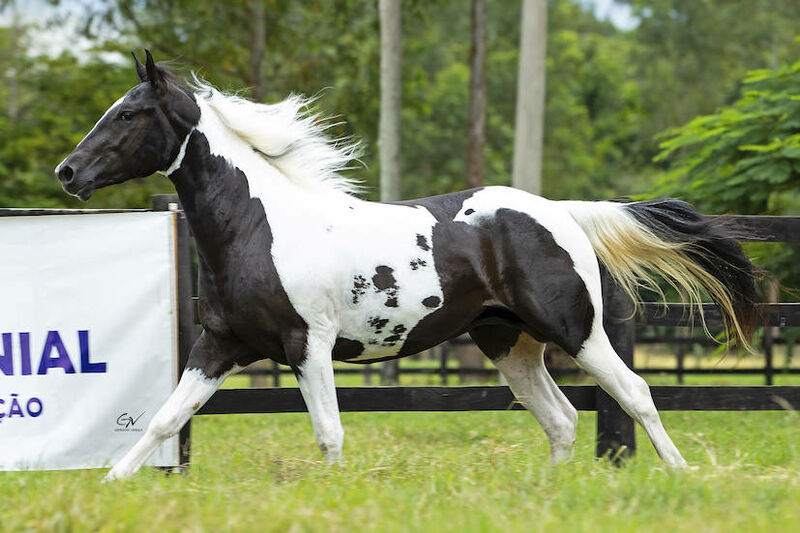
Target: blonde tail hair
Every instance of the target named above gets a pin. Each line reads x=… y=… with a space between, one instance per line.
x=639 y=240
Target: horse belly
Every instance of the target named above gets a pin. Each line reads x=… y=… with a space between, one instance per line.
x=383 y=305
x=385 y=297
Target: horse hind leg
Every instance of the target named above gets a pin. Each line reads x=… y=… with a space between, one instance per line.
x=599 y=360
x=522 y=365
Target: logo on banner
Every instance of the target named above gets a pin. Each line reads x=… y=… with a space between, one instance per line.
x=128 y=422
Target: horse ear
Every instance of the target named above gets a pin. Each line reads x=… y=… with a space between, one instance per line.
x=140 y=69
x=154 y=76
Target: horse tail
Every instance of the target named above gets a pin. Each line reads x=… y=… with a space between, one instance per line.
x=636 y=240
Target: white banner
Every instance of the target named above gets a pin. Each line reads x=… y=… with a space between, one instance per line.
x=88 y=337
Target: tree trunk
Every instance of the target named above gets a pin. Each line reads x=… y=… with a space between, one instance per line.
x=527 y=173
x=258 y=37
x=389 y=127
x=477 y=96
x=14 y=35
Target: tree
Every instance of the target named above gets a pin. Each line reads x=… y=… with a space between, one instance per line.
x=690 y=54
x=391 y=90
x=529 y=136
x=745 y=157
x=46 y=107
x=476 y=130
x=391 y=109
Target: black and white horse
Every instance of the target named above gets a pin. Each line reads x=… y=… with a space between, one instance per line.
x=295 y=268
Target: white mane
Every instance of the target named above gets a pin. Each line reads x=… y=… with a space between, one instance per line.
x=290 y=137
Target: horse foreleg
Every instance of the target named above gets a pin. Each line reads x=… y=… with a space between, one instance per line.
x=315 y=377
x=194 y=389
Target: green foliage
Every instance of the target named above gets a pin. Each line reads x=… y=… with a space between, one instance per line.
x=691 y=54
x=608 y=91
x=55 y=102
x=744 y=157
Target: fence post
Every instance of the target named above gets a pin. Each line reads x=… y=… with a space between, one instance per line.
x=276 y=374
x=683 y=335
x=770 y=333
x=615 y=429
x=259 y=377
x=444 y=353
x=187 y=328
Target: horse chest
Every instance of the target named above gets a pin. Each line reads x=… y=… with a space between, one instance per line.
x=245 y=300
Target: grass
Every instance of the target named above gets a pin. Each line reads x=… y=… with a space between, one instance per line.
x=433 y=472
x=444 y=472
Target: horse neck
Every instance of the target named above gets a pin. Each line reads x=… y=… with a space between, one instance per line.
x=214 y=181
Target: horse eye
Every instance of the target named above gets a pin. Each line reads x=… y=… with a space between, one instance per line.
x=126 y=115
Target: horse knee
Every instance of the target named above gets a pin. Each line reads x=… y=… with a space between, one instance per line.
x=164 y=426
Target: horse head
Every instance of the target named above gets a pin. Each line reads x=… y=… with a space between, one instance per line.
x=140 y=134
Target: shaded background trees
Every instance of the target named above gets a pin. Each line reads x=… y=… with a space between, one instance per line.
x=609 y=91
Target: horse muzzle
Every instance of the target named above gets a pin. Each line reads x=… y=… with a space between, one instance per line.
x=72 y=183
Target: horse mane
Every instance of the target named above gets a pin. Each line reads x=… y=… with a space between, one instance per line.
x=289 y=136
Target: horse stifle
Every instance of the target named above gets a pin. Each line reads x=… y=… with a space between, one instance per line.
x=295 y=268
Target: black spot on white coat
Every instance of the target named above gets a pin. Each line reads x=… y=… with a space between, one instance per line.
x=359 y=287
x=431 y=301
x=417 y=263
x=385 y=282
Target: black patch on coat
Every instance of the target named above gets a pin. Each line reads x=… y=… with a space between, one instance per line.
x=416 y=263
x=469 y=211
x=391 y=340
x=443 y=207
x=422 y=242
x=359 y=287
x=378 y=324
x=495 y=341
x=394 y=338
x=347 y=348
x=431 y=301
x=384 y=282
x=383 y=278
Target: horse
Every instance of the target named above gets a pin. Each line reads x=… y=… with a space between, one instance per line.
x=295 y=267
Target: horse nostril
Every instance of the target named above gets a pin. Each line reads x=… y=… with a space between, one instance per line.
x=65 y=174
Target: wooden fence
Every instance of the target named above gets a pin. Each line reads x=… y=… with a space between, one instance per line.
x=614 y=427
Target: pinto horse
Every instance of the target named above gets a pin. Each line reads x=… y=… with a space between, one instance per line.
x=295 y=268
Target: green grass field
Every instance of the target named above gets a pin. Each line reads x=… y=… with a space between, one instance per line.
x=433 y=472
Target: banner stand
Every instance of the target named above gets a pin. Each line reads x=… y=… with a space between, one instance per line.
x=187 y=322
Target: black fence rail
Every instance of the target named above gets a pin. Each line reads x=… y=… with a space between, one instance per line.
x=614 y=427
x=615 y=430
